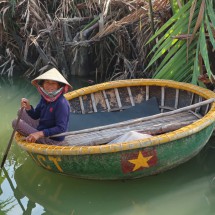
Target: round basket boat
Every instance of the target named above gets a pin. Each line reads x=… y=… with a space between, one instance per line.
x=180 y=129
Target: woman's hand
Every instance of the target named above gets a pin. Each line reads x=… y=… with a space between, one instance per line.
x=25 y=104
x=34 y=136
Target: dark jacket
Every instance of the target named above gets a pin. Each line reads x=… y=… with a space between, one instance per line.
x=53 y=116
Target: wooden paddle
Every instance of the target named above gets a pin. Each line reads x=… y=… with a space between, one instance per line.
x=11 y=139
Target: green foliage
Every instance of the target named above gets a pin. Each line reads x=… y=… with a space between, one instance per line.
x=185 y=40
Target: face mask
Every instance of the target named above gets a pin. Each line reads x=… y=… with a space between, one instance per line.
x=51 y=94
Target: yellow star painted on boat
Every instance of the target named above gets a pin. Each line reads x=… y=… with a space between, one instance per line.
x=140 y=161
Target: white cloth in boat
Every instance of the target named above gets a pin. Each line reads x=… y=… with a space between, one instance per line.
x=129 y=136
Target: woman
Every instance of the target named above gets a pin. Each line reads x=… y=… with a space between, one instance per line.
x=51 y=115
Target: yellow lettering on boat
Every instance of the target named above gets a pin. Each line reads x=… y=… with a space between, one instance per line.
x=41 y=160
x=55 y=161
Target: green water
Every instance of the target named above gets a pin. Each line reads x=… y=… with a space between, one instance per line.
x=28 y=189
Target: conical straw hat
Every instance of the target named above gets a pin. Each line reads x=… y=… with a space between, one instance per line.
x=52 y=74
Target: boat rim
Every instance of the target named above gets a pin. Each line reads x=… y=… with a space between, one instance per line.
x=183 y=132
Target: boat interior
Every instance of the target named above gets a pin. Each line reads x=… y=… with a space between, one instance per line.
x=99 y=117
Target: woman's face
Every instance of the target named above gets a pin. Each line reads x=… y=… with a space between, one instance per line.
x=50 y=86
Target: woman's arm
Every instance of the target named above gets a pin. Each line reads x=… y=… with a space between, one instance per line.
x=35 y=113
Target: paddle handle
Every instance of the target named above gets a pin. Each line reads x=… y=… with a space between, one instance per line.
x=11 y=139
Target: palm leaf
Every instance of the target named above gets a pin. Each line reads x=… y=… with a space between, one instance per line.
x=210 y=31
x=171 y=53
x=196 y=69
x=211 y=12
x=181 y=62
x=199 y=20
x=171 y=21
x=203 y=50
x=176 y=66
x=165 y=44
x=177 y=52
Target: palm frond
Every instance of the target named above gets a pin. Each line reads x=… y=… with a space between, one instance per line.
x=180 y=57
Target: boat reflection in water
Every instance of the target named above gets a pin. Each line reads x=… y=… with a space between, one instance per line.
x=187 y=188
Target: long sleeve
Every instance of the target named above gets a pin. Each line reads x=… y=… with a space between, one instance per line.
x=35 y=113
x=61 y=115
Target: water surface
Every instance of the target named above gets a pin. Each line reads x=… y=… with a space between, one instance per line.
x=28 y=189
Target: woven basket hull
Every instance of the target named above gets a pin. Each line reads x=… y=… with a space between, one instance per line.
x=133 y=159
